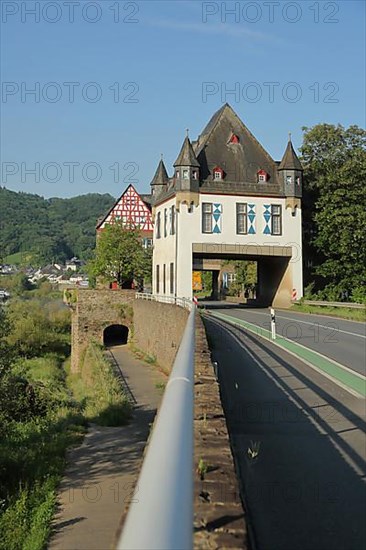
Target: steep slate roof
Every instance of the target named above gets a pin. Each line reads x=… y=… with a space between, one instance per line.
x=187 y=156
x=290 y=160
x=240 y=161
x=161 y=175
x=147 y=199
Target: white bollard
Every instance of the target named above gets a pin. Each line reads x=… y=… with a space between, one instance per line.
x=273 y=323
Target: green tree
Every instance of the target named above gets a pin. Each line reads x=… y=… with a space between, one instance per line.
x=6 y=352
x=119 y=255
x=334 y=160
x=245 y=275
x=40 y=231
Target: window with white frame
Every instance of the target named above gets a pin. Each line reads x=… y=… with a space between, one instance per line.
x=172 y=220
x=241 y=218
x=147 y=243
x=186 y=174
x=276 y=219
x=206 y=217
x=157 y=280
x=171 y=278
x=289 y=180
x=217 y=175
x=165 y=222
x=158 y=225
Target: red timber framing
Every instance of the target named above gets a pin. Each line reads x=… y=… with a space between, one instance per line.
x=131 y=209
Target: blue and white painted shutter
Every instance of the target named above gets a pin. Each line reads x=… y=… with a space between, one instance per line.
x=251 y=219
x=217 y=218
x=267 y=219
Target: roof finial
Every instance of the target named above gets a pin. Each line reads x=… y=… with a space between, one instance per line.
x=289 y=136
x=161 y=156
x=187 y=130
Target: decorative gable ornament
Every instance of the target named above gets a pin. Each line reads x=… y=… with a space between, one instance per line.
x=218 y=173
x=234 y=139
x=262 y=176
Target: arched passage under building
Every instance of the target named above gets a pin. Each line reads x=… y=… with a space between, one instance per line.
x=115 y=335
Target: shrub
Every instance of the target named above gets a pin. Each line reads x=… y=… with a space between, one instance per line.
x=359 y=295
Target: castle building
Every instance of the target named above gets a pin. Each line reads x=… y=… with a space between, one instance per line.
x=227 y=200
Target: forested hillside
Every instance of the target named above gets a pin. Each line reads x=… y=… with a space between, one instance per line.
x=47 y=230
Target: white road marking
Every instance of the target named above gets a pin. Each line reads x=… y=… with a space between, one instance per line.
x=311 y=365
x=308 y=323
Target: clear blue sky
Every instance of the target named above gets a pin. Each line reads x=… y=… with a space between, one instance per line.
x=168 y=53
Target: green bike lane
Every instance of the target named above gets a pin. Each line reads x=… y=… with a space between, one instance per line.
x=298 y=441
x=342 y=375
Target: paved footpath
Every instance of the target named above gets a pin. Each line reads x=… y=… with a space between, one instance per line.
x=101 y=474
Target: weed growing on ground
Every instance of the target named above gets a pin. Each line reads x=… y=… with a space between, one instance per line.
x=351 y=314
x=98 y=391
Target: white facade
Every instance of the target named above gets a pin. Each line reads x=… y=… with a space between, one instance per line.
x=231 y=201
x=177 y=249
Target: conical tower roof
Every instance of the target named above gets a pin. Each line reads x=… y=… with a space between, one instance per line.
x=161 y=175
x=186 y=156
x=290 y=159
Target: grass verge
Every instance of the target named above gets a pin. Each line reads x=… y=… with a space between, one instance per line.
x=32 y=455
x=32 y=452
x=341 y=312
x=98 y=391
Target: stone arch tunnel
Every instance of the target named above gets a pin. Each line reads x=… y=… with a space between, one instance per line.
x=114 y=335
x=114 y=316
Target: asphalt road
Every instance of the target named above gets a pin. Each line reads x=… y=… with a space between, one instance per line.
x=341 y=340
x=298 y=442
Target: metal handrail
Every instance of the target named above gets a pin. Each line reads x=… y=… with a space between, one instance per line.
x=181 y=302
x=353 y=305
x=161 y=516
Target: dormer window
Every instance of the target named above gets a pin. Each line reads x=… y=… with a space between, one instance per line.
x=289 y=180
x=262 y=176
x=218 y=173
x=186 y=174
x=234 y=139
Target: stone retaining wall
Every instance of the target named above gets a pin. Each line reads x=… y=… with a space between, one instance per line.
x=158 y=330
x=92 y=312
x=155 y=328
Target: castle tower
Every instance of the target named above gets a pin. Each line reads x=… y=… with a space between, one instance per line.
x=186 y=175
x=291 y=172
x=160 y=181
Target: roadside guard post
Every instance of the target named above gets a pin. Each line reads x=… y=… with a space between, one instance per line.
x=273 y=323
